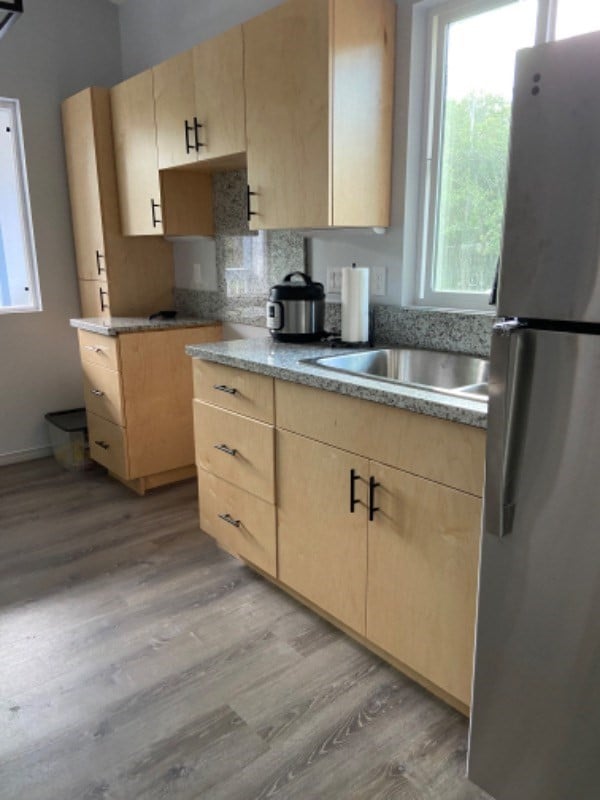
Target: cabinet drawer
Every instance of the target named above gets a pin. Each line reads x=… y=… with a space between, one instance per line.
x=235 y=390
x=242 y=523
x=94 y=299
x=108 y=445
x=235 y=448
x=102 y=392
x=446 y=452
x=98 y=349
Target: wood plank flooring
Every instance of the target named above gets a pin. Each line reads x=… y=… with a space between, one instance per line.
x=137 y=660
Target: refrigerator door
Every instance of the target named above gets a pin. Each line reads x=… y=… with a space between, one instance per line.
x=551 y=246
x=535 y=722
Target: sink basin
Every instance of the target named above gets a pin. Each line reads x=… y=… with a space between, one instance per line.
x=449 y=373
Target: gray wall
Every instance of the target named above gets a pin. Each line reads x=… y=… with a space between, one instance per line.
x=152 y=30
x=53 y=51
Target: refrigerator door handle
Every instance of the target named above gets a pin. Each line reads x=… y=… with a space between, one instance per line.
x=504 y=426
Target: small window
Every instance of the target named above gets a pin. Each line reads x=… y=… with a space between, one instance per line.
x=19 y=287
x=464 y=161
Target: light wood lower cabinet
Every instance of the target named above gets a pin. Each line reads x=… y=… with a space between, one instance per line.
x=137 y=389
x=243 y=524
x=387 y=550
x=422 y=576
x=322 y=538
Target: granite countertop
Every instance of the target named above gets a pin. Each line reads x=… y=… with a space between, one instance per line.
x=282 y=361
x=116 y=325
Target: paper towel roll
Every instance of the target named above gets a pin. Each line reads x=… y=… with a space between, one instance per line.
x=355 y=304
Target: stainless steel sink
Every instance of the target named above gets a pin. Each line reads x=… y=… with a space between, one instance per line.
x=449 y=373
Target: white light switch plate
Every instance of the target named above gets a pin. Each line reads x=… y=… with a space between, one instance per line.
x=334 y=279
x=378 y=281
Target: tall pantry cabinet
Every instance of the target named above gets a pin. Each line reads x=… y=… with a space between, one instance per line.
x=118 y=276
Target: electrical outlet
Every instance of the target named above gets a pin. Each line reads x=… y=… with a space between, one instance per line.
x=378 y=281
x=334 y=279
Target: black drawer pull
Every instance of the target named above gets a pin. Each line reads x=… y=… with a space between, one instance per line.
x=103 y=306
x=97 y=392
x=249 y=211
x=220 y=387
x=153 y=206
x=187 y=130
x=354 y=476
x=98 y=267
x=231 y=451
x=230 y=520
x=103 y=445
x=372 y=507
x=197 y=126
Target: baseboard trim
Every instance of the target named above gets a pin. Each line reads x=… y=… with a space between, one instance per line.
x=24 y=455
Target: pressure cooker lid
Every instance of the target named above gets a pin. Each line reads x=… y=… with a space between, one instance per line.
x=304 y=289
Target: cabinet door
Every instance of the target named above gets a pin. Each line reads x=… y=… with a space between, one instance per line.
x=84 y=188
x=175 y=111
x=422 y=582
x=286 y=67
x=219 y=87
x=322 y=546
x=94 y=299
x=135 y=151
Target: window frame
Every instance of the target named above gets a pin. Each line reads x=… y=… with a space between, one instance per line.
x=13 y=107
x=425 y=142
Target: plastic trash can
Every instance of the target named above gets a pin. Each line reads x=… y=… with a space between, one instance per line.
x=68 y=437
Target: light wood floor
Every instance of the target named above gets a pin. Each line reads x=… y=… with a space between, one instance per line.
x=139 y=661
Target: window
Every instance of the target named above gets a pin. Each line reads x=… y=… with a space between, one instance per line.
x=19 y=289
x=462 y=146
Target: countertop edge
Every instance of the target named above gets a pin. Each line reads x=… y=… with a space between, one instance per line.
x=419 y=401
x=119 y=325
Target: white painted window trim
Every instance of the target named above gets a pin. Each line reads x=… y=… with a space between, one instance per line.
x=14 y=110
x=424 y=137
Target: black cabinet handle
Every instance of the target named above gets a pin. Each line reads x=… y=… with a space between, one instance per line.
x=230 y=520
x=103 y=445
x=354 y=476
x=187 y=129
x=230 y=451
x=153 y=206
x=220 y=387
x=372 y=507
x=99 y=256
x=97 y=392
x=103 y=306
x=250 y=194
x=197 y=126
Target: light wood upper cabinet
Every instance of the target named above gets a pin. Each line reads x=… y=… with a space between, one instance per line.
x=199 y=99
x=118 y=276
x=219 y=87
x=80 y=117
x=322 y=543
x=422 y=577
x=319 y=96
x=175 y=104
x=136 y=155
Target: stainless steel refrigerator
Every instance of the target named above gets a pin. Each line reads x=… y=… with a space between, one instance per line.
x=535 y=725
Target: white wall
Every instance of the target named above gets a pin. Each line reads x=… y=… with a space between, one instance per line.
x=152 y=30
x=53 y=51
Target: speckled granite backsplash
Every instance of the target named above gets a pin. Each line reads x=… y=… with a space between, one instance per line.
x=458 y=331
x=246 y=264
